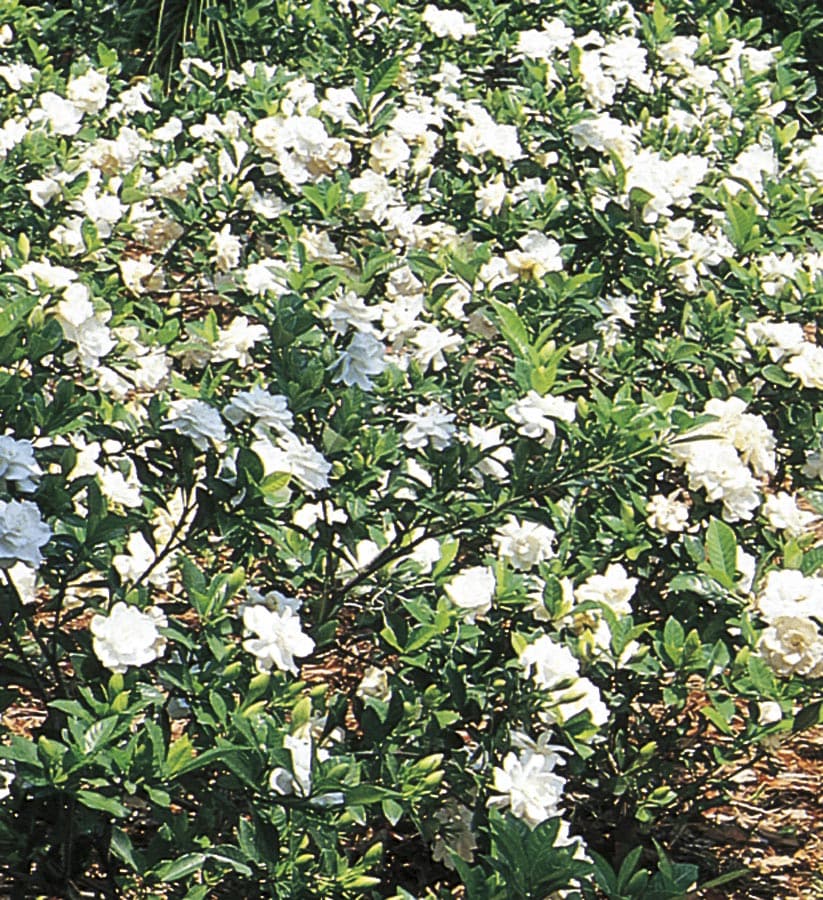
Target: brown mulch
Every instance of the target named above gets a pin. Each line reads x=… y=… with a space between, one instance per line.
x=772 y=825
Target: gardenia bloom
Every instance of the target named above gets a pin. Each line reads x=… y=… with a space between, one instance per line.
x=364 y=357
x=295 y=457
x=534 y=416
x=226 y=247
x=131 y=565
x=374 y=683
x=524 y=544
x=714 y=466
x=236 y=341
x=17 y=463
x=667 y=513
x=428 y=424
x=298 y=781
x=793 y=646
x=197 y=420
x=536 y=256
x=447 y=23
x=807 y=366
x=529 y=786
x=432 y=343
x=88 y=91
x=497 y=454
x=549 y=664
x=581 y=697
x=22 y=533
x=471 y=591
x=279 y=637
x=270 y=410
x=783 y=513
x=128 y=637
x=788 y=592
x=349 y=310
x=613 y=589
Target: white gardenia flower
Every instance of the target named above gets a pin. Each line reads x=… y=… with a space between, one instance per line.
x=534 y=415
x=226 y=248
x=582 y=696
x=349 y=310
x=667 y=513
x=140 y=556
x=22 y=533
x=197 y=420
x=783 y=513
x=807 y=366
x=613 y=588
x=429 y=424
x=128 y=637
x=524 y=544
x=295 y=457
x=792 y=645
x=374 y=683
x=270 y=410
x=237 y=340
x=364 y=357
x=88 y=91
x=17 y=463
x=62 y=115
x=788 y=592
x=279 y=637
x=537 y=255
x=472 y=591
x=493 y=464
x=548 y=664
x=447 y=23
x=529 y=786
x=432 y=344
x=715 y=466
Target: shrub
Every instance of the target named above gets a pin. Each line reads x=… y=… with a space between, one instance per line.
x=412 y=460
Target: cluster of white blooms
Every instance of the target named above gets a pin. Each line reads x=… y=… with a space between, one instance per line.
x=554 y=669
x=723 y=457
x=293 y=456
x=791 y=604
x=128 y=636
x=447 y=23
x=787 y=344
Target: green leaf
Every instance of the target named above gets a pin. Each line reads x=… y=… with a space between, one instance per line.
x=363 y=794
x=180 y=753
x=109 y=805
x=384 y=75
x=122 y=847
x=179 y=868
x=721 y=548
x=812 y=561
x=513 y=329
x=808 y=717
x=392 y=810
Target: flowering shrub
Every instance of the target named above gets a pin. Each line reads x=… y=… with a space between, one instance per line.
x=396 y=446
